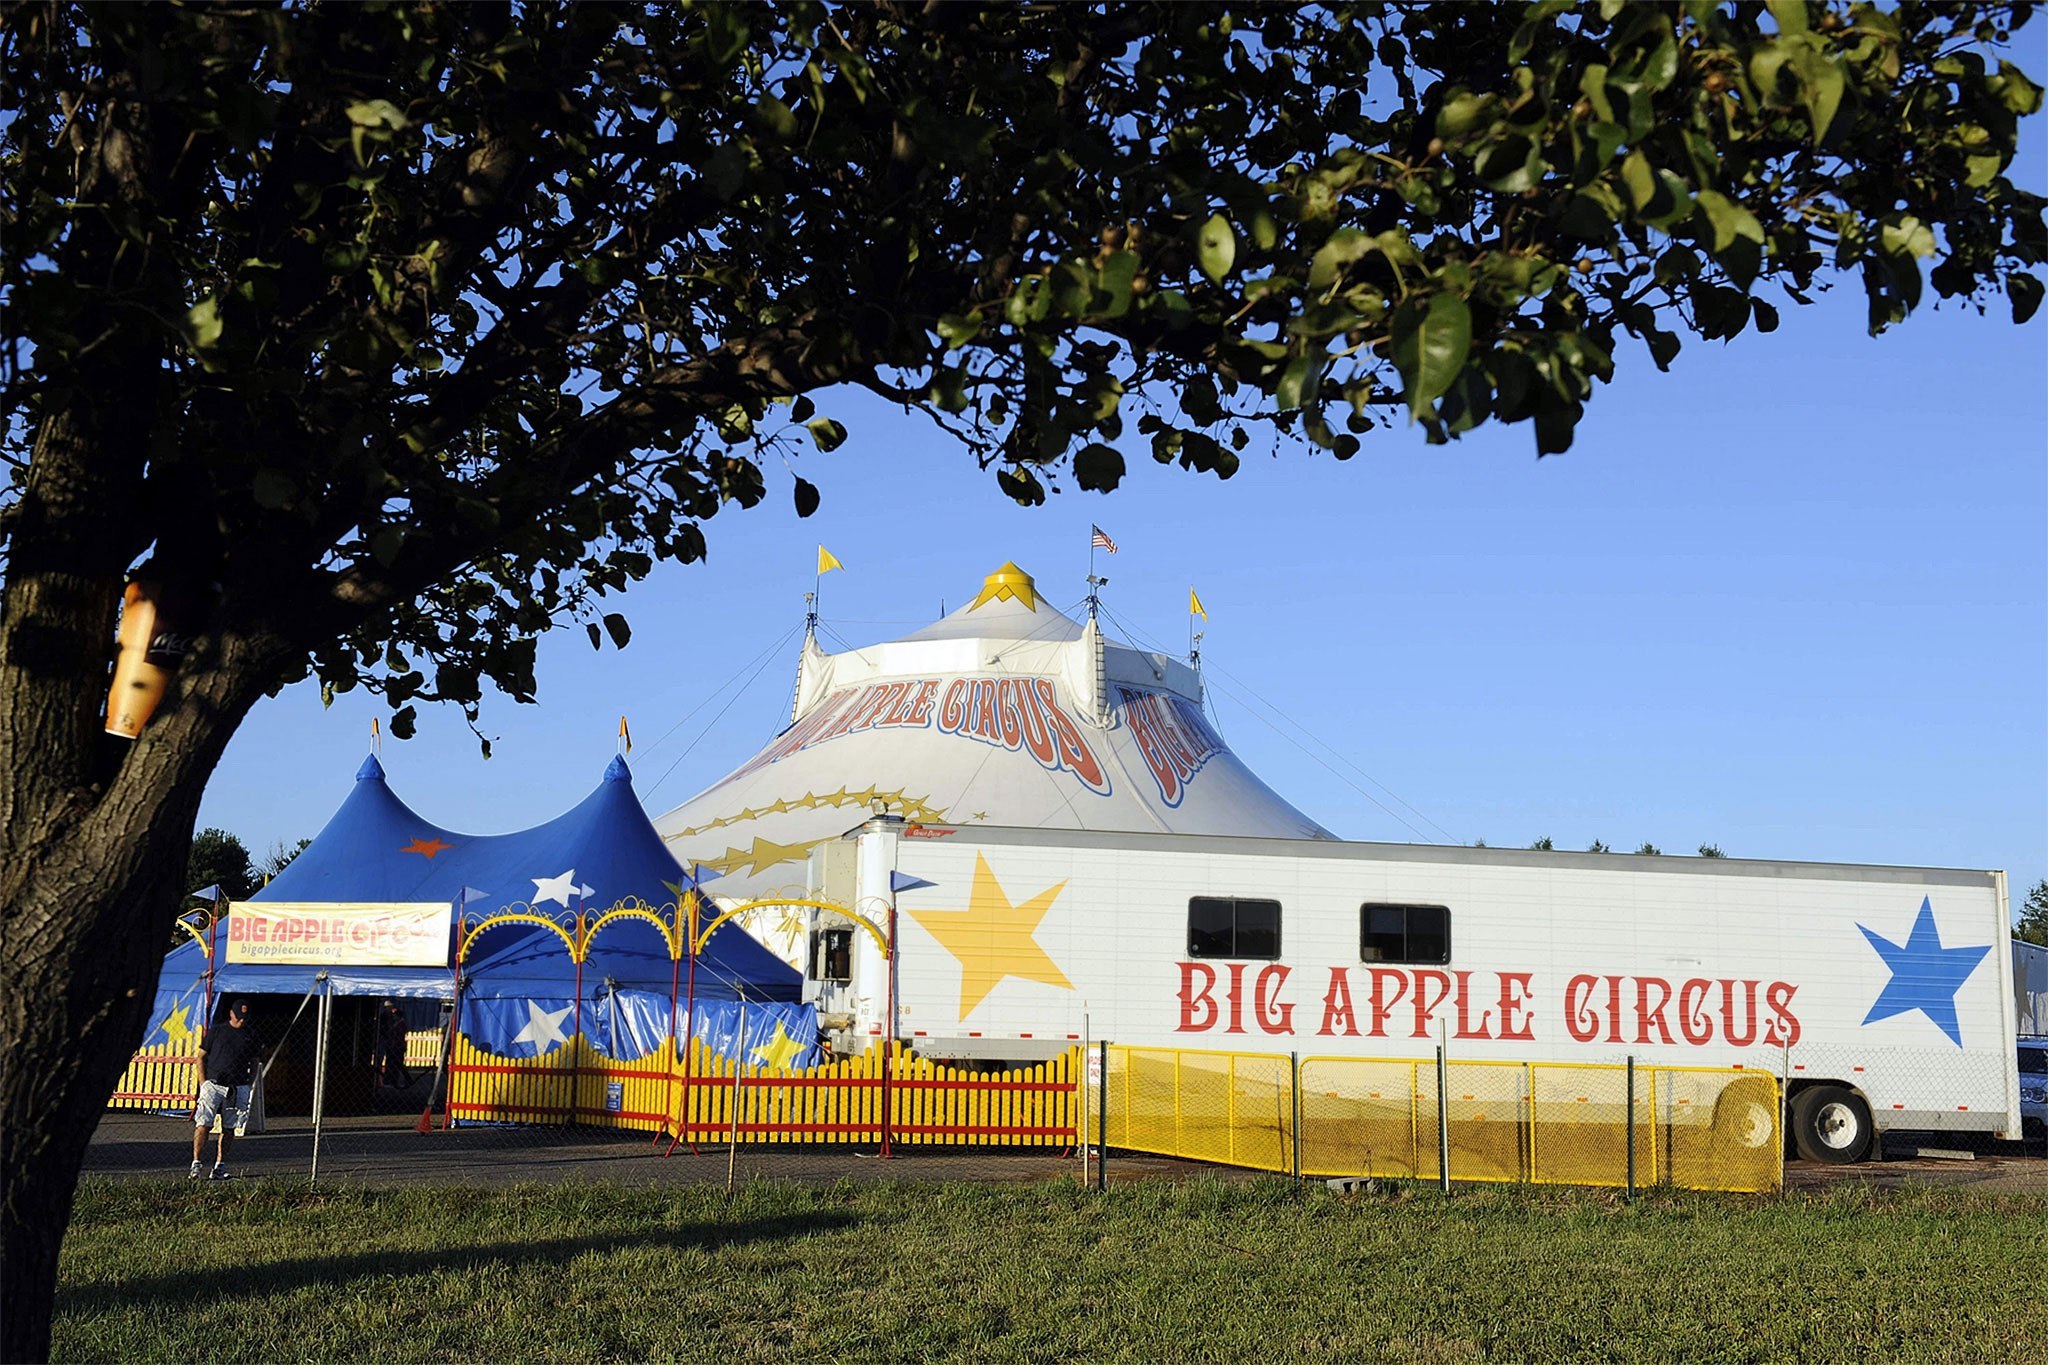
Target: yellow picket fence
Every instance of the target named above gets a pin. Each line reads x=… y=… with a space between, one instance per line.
x=876 y=1096
x=1534 y=1122
x=161 y=1077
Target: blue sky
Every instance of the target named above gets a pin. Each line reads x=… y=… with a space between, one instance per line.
x=1790 y=599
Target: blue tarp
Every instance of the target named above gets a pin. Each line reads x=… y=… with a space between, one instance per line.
x=602 y=853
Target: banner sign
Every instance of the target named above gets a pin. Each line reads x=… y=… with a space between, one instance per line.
x=281 y=933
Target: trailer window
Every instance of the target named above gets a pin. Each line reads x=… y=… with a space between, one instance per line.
x=1404 y=933
x=832 y=955
x=1224 y=926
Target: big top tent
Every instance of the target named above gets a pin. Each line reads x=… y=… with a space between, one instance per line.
x=599 y=856
x=1005 y=712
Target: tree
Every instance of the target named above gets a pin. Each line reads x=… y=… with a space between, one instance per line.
x=379 y=340
x=1598 y=847
x=1711 y=851
x=2033 y=923
x=280 y=857
x=218 y=858
x=1649 y=850
x=1544 y=844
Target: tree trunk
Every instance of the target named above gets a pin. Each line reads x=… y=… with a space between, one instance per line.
x=94 y=833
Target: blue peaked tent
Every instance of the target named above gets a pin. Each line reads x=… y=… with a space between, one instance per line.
x=602 y=853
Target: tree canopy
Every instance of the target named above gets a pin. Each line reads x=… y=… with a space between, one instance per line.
x=380 y=338
x=220 y=859
x=530 y=294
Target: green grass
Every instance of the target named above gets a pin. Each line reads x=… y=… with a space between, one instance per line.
x=1146 y=1272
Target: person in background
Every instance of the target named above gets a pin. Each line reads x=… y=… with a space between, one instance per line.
x=389 y=1054
x=228 y=1054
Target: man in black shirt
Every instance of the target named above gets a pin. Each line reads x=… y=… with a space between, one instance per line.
x=227 y=1066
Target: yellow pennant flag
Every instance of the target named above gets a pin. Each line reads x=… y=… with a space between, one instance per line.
x=1195 y=605
x=827 y=561
x=625 y=735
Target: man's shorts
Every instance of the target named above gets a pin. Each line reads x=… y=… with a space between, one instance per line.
x=229 y=1103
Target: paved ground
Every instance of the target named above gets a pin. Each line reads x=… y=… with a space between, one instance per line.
x=386 y=1150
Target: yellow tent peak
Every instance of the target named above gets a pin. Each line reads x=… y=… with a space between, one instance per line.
x=1011 y=582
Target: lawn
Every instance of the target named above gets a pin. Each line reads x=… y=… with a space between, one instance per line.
x=271 y=1270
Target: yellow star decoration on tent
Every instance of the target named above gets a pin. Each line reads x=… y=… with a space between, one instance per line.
x=909 y=807
x=177 y=1026
x=778 y=1052
x=993 y=939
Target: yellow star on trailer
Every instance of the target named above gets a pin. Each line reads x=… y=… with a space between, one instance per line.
x=992 y=938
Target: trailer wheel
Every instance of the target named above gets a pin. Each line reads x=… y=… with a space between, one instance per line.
x=1746 y=1115
x=1831 y=1123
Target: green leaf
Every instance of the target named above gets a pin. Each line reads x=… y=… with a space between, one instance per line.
x=806 y=497
x=957 y=329
x=1021 y=485
x=1217 y=247
x=1098 y=467
x=1728 y=219
x=827 y=434
x=1821 y=83
x=1430 y=342
x=203 y=323
x=404 y=721
x=2025 y=293
x=774 y=118
x=1907 y=236
x=376 y=114
x=803 y=409
x=272 y=490
x=616 y=627
x=1790 y=15
x=1345 y=246
x=1299 y=382
x=1639 y=178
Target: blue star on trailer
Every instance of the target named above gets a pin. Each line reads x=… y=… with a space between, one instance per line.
x=1925 y=975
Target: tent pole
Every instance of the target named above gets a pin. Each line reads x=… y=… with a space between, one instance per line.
x=448 y=1048
x=889 y=1033
x=320 y=1073
x=675 y=968
x=212 y=949
x=689 y=1041
x=575 y=1048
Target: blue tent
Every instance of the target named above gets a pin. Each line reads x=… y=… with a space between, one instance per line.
x=601 y=854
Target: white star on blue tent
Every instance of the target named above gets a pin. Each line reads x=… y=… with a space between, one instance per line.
x=1925 y=975
x=558 y=888
x=543 y=1027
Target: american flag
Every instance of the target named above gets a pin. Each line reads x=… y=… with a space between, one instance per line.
x=1101 y=540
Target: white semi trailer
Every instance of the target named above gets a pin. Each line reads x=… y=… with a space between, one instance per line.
x=1881 y=996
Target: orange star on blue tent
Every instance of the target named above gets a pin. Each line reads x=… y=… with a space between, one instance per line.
x=427 y=848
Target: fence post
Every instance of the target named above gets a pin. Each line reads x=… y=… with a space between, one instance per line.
x=1443 y=1121
x=1294 y=1094
x=1102 y=1122
x=1081 y=1095
x=739 y=1066
x=1631 y=1128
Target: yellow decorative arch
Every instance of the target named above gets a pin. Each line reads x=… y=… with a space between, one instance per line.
x=521 y=917
x=642 y=911
x=881 y=939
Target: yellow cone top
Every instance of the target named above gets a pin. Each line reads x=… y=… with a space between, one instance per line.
x=1011 y=582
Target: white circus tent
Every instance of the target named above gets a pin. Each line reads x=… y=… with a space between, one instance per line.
x=1006 y=712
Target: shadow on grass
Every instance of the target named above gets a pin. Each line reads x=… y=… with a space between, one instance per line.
x=284 y=1275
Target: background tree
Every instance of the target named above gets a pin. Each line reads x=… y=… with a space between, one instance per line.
x=218 y=858
x=1711 y=851
x=382 y=339
x=2033 y=923
x=280 y=857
